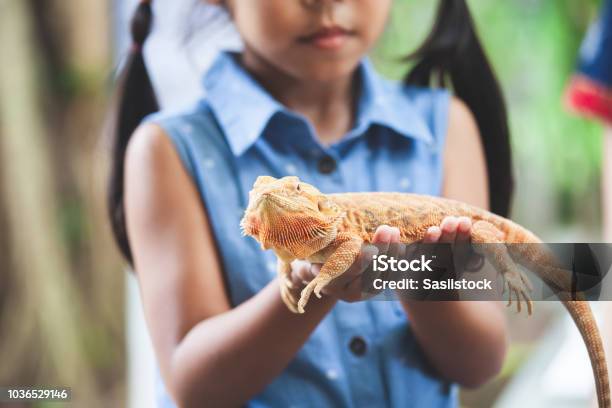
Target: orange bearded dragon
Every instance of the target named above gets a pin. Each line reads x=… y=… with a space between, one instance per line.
x=297 y=221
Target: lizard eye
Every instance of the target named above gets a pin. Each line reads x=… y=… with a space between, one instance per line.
x=298 y=187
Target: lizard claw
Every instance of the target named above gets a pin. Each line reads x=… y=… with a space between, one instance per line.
x=518 y=286
x=529 y=304
x=288 y=299
x=305 y=295
x=316 y=285
x=319 y=286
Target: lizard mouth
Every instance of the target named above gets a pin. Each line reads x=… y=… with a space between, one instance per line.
x=250 y=223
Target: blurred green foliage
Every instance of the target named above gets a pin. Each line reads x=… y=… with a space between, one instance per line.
x=533 y=46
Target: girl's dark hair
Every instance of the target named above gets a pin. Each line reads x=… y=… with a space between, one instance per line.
x=452 y=50
x=136 y=99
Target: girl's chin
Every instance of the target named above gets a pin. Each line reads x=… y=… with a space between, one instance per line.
x=325 y=70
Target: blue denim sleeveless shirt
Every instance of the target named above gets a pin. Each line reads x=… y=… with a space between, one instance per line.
x=362 y=354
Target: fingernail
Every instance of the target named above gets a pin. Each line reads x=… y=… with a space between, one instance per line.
x=450 y=225
x=465 y=224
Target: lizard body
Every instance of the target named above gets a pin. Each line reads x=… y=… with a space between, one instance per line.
x=297 y=221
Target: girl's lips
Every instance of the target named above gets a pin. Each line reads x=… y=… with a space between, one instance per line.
x=327 y=38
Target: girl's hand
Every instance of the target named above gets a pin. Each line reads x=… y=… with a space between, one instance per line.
x=456 y=231
x=451 y=230
x=348 y=287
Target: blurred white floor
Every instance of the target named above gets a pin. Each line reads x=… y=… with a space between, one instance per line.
x=557 y=374
x=141 y=360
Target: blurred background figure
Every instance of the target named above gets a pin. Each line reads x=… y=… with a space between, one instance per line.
x=590 y=94
x=65 y=318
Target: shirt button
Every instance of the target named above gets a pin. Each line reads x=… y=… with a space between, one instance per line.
x=326 y=165
x=358 y=346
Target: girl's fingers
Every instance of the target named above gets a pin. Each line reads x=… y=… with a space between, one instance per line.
x=382 y=238
x=432 y=235
x=361 y=264
x=395 y=235
x=338 y=285
x=297 y=269
x=314 y=270
x=394 y=247
x=348 y=285
x=464 y=229
x=304 y=275
x=449 y=230
x=382 y=234
x=462 y=249
x=367 y=253
x=345 y=287
x=363 y=261
x=352 y=292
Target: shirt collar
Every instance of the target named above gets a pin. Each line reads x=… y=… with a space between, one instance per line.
x=387 y=103
x=244 y=108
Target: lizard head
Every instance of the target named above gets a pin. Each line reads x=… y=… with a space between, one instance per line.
x=284 y=212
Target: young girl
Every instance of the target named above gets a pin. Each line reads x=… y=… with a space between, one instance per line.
x=302 y=99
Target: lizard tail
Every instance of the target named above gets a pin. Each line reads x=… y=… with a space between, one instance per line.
x=560 y=280
x=533 y=254
x=583 y=317
x=541 y=261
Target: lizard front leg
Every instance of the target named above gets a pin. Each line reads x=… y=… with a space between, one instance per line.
x=345 y=249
